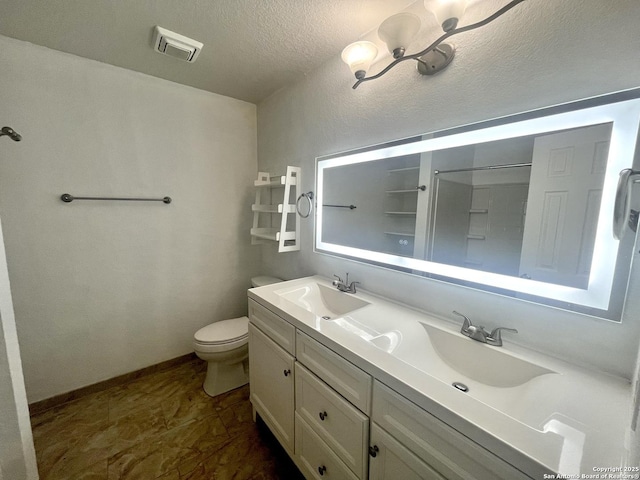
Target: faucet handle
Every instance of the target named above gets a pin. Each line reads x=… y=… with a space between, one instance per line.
x=495 y=337
x=336 y=282
x=466 y=324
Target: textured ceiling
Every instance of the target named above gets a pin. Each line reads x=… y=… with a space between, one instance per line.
x=251 y=47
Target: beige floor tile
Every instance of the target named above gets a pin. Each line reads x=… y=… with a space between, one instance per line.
x=97 y=471
x=238 y=418
x=141 y=462
x=238 y=460
x=197 y=473
x=137 y=428
x=172 y=475
x=80 y=417
x=195 y=441
x=67 y=457
x=230 y=398
x=187 y=406
x=159 y=426
x=128 y=400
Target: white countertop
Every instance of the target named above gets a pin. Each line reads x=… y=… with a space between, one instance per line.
x=570 y=422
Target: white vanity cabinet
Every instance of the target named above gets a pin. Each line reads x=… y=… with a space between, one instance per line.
x=272 y=372
x=336 y=421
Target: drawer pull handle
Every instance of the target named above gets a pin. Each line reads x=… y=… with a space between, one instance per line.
x=322 y=469
x=373 y=451
x=287 y=373
x=323 y=415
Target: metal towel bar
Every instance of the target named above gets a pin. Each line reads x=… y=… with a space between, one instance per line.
x=350 y=207
x=68 y=198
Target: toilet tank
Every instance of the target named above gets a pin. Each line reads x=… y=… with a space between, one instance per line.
x=261 y=281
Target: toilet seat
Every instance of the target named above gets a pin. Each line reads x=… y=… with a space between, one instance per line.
x=222 y=336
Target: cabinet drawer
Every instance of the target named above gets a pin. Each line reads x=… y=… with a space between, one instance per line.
x=393 y=460
x=448 y=451
x=342 y=426
x=344 y=377
x=279 y=330
x=315 y=458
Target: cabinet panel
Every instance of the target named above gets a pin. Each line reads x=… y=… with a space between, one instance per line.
x=445 y=449
x=393 y=461
x=344 y=377
x=342 y=426
x=271 y=383
x=277 y=329
x=315 y=458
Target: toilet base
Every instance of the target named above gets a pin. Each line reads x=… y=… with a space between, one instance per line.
x=222 y=377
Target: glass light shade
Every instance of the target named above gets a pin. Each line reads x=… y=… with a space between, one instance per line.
x=398 y=31
x=359 y=56
x=447 y=12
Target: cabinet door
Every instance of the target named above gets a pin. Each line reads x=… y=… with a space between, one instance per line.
x=393 y=461
x=271 y=382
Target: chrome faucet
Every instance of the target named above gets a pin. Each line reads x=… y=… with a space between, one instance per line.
x=345 y=287
x=479 y=334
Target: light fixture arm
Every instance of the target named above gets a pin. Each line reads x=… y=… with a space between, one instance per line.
x=442 y=38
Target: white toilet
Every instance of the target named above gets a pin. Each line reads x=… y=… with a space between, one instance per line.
x=224 y=346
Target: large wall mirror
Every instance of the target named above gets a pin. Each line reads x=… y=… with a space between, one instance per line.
x=520 y=206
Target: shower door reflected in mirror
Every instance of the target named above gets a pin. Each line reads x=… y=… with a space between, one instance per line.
x=522 y=208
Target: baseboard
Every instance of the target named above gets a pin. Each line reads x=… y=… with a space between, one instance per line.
x=47 y=403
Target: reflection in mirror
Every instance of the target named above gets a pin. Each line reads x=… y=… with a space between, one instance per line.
x=526 y=205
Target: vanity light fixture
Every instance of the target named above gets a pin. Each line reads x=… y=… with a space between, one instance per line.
x=399 y=30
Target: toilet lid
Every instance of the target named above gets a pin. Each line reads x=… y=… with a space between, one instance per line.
x=224 y=331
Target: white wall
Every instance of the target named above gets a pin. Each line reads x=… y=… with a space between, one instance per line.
x=101 y=288
x=543 y=53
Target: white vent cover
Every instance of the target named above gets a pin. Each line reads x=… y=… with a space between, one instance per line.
x=176 y=45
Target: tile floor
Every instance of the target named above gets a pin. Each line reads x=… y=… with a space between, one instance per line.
x=159 y=426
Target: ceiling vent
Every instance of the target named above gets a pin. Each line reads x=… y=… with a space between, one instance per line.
x=176 y=45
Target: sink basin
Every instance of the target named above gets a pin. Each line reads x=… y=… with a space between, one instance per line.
x=480 y=362
x=322 y=301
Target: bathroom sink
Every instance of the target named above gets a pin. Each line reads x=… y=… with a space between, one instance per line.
x=322 y=301
x=480 y=362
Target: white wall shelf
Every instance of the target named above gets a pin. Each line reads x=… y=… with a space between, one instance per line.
x=276 y=195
